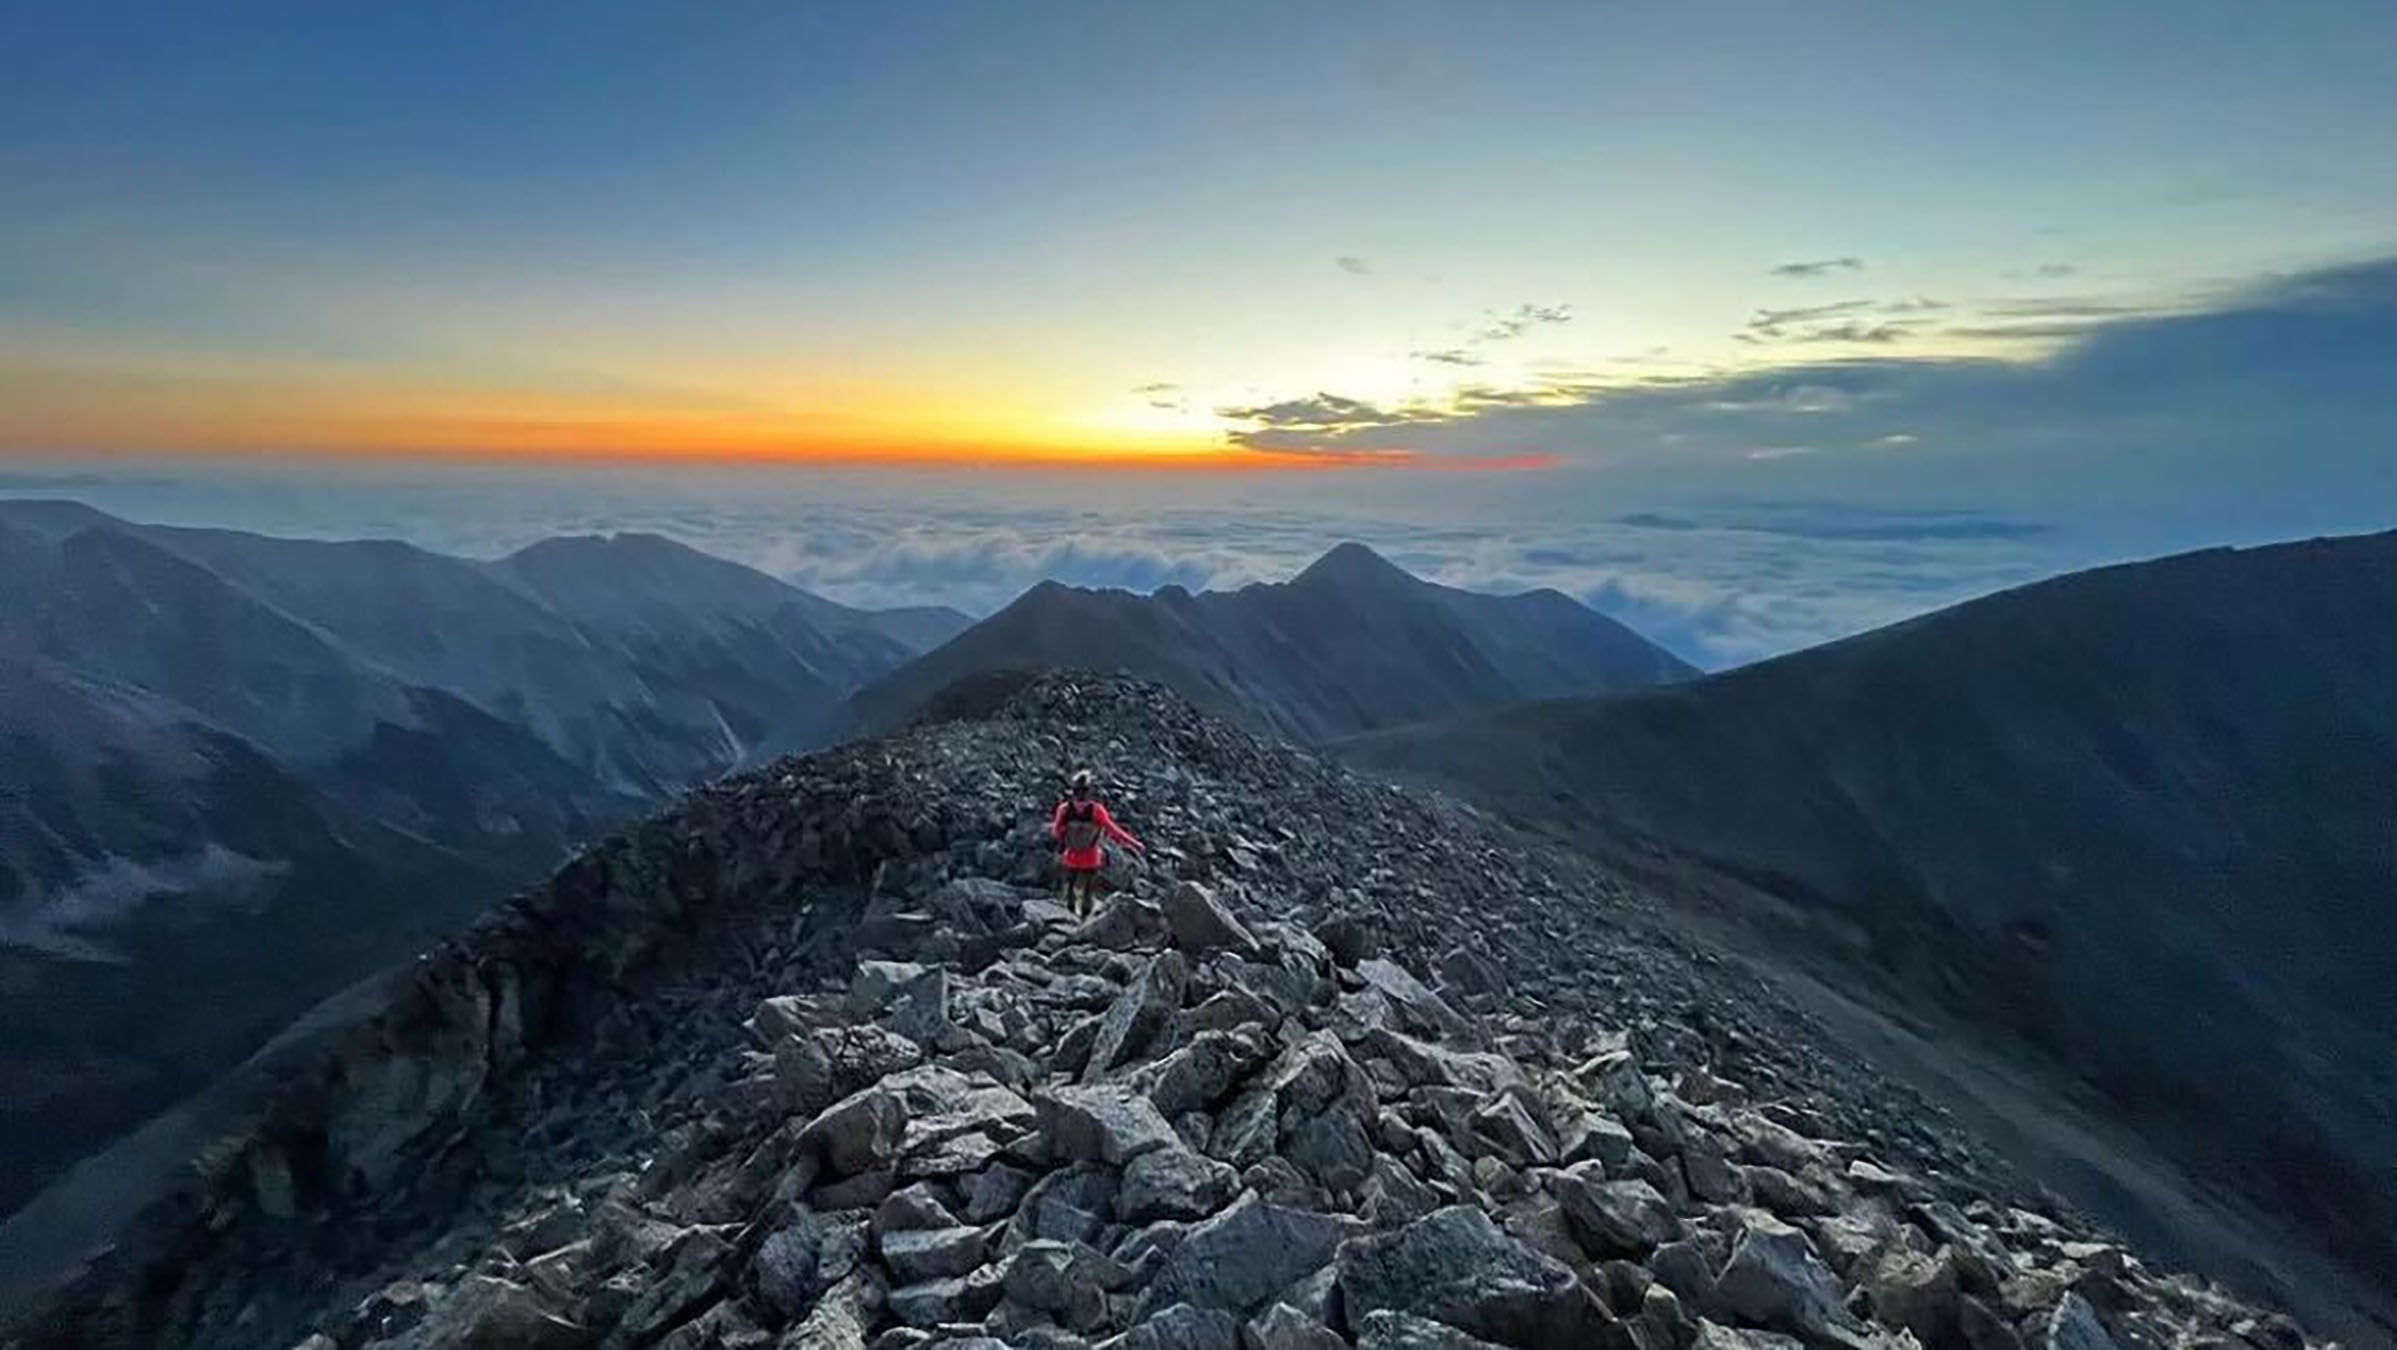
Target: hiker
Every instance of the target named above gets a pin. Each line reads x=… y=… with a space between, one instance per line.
x=1080 y=823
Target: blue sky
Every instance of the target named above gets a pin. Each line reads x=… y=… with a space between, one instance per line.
x=2118 y=275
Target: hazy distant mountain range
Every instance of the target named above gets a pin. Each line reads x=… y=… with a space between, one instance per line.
x=1350 y=644
x=2144 y=817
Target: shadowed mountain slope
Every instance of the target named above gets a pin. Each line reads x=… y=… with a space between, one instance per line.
x=813 y=1060
x=2140 y=816
x=1351 y=643
x=237 y=772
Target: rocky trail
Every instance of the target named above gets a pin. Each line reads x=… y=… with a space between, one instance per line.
x=813 y=1061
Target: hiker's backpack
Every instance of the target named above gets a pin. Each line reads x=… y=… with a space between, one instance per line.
x=1081 y=826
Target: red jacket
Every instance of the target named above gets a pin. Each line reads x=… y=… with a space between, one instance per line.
x=1082 y=859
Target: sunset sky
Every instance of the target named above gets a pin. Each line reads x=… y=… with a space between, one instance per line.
x=1757 y=322
x=1002 y=230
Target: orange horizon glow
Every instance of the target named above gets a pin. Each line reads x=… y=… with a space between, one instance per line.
x=599 y=442
x=177 y=418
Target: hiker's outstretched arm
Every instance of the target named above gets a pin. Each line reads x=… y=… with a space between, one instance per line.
x=1115 y=831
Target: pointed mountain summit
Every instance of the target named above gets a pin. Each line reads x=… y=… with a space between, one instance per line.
x=1350 y=644
x=1356 y=566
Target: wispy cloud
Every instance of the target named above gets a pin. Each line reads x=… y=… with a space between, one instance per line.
x=1870 y=334
x=1320 y=410
x=1782 y=318
x=1815 y=323
x=1449 y=356
x=1496 y=327
x=2043 y=272
x=1819 y=267
x=1523 y=319
x=2066 y=307
x=1353 y=265
x=1163 y=395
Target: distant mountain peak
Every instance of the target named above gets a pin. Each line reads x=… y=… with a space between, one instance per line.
x=1352 y=563
x=622 y=543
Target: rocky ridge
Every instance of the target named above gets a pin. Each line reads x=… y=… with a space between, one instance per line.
x=813 y=1061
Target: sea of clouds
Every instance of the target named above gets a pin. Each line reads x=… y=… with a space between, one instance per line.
x=1722 y=580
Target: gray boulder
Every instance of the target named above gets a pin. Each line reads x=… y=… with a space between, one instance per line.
x=1282 y=1327
x=1384 y=1329
x=1614 y=1218
x=1350 y=938
x=778 y=1017
x=1182 y=1327
x=1506 y=1126
x=2074 y=1326
x=1174 y=1183
x=1456 y=1266
x=1196 y=1076
x=1143 y=1010
x=1775 y=1280
x=1122 y=924
x=1200 y=922
x=1422 y=1010
x=913 y=1207
x=494 y=1314
x=962 y=1298
x=1916 y=1292
x=920 y=1010
x=1246 y=1255
x=1584 y=1135
x=875 y=985
x=1066 y=1280
x=1714 y=1336
x=1103 y=1122
x=915 y=1255
x=797 y=1263
x=858 y=1133
x=995 y=1191
x=839 y=1320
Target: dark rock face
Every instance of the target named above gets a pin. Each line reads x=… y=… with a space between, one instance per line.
x=2137 y=816
x=661 y=1101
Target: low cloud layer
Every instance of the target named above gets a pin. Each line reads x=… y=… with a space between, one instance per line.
x=1719 y=580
